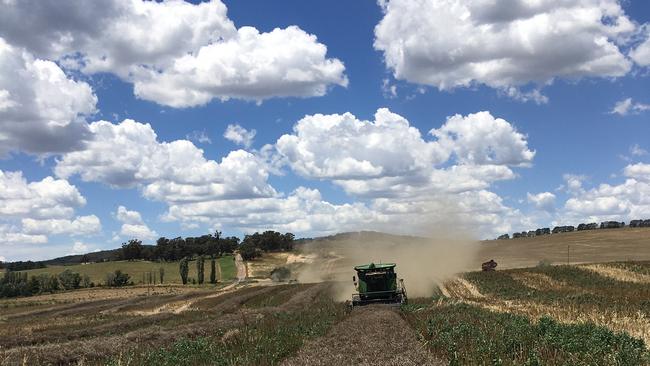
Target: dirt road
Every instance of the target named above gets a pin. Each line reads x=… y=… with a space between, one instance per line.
x=371 y=335
x=241 y=267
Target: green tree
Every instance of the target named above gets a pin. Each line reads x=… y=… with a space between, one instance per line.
x=53 y=283
x=200 y=266
x=270 y=241
x=213 y=271
x=34 y=285
x=44 y=283
x=117 y=279
x=132 y=250
x=183 y=269
x=85 y=281
x=69 y=280
x=248 y=251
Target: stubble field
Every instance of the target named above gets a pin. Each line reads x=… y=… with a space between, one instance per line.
x=584 y=315
x=579 y=314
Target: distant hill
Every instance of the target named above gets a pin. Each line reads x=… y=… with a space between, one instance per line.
x=100 y=256
x=362 y=236
x=591 y=246
x=114 y=254
x=584 y=247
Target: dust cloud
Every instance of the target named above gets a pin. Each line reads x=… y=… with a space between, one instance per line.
x=447 y=249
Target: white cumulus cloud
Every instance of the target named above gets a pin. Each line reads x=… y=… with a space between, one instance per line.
x=481 y=139
x=389 y=157
x=502 y=44
x=625 y=201
x=239 y=135
x=44 y=199
x=133 y=227
x=141 y=232
x=82 y=225
x=641 y=54
x=400 y=175
x=175 y=53
x=30 y=212
x=128 y=217
x=129 y=154
x=341 y=147
x=544 y=201
x=9 y=236
x=637 y=150
x=252 y=66
x=79 y=248
x=41 y=109
x=628 y=106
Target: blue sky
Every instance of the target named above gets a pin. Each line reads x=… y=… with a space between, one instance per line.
x=564 y=137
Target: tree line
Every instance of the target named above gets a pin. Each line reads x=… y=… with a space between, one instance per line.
x=213 y=245
x=269 y=241
x=16 y=283
x=21 y=265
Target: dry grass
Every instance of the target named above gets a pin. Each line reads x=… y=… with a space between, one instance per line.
x=605 y=295
x=459 y=288
x=93 y=327
x=542 y=282
x=637 y=324
x=262 y=267
x=592 y=246
x=618 y=274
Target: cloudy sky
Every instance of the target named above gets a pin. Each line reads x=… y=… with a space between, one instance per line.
x=143 y=119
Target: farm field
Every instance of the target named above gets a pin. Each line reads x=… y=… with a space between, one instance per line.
x=591 y=246
x=332 y=255
x=137 y=269
x=580 y=315
x=586 y=314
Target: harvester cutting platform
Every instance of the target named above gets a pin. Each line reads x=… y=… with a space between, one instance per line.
x=378 y=283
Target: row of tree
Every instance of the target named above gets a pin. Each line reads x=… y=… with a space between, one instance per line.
x=14 y=284
x=21 y=265
x=213 y=245
x=184 y=269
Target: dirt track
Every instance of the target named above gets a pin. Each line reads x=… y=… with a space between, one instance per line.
x=372 y=335
x=241 y=268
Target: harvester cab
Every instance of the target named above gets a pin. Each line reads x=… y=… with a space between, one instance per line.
x=378 y=283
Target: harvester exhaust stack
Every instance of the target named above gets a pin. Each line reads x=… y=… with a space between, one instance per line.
x=378 y=284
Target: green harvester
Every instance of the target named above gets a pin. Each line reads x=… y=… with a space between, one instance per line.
x=378 y=284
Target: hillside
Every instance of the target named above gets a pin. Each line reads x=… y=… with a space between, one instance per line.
x=422 y=260
x=99 y=256
x=336 y=254
x=591 y=246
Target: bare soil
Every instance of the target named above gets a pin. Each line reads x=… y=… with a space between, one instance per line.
x=371 y=335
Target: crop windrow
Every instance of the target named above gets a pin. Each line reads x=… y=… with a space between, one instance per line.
x=265 y=341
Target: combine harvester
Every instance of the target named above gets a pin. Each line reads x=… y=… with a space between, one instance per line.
x=378 y=284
